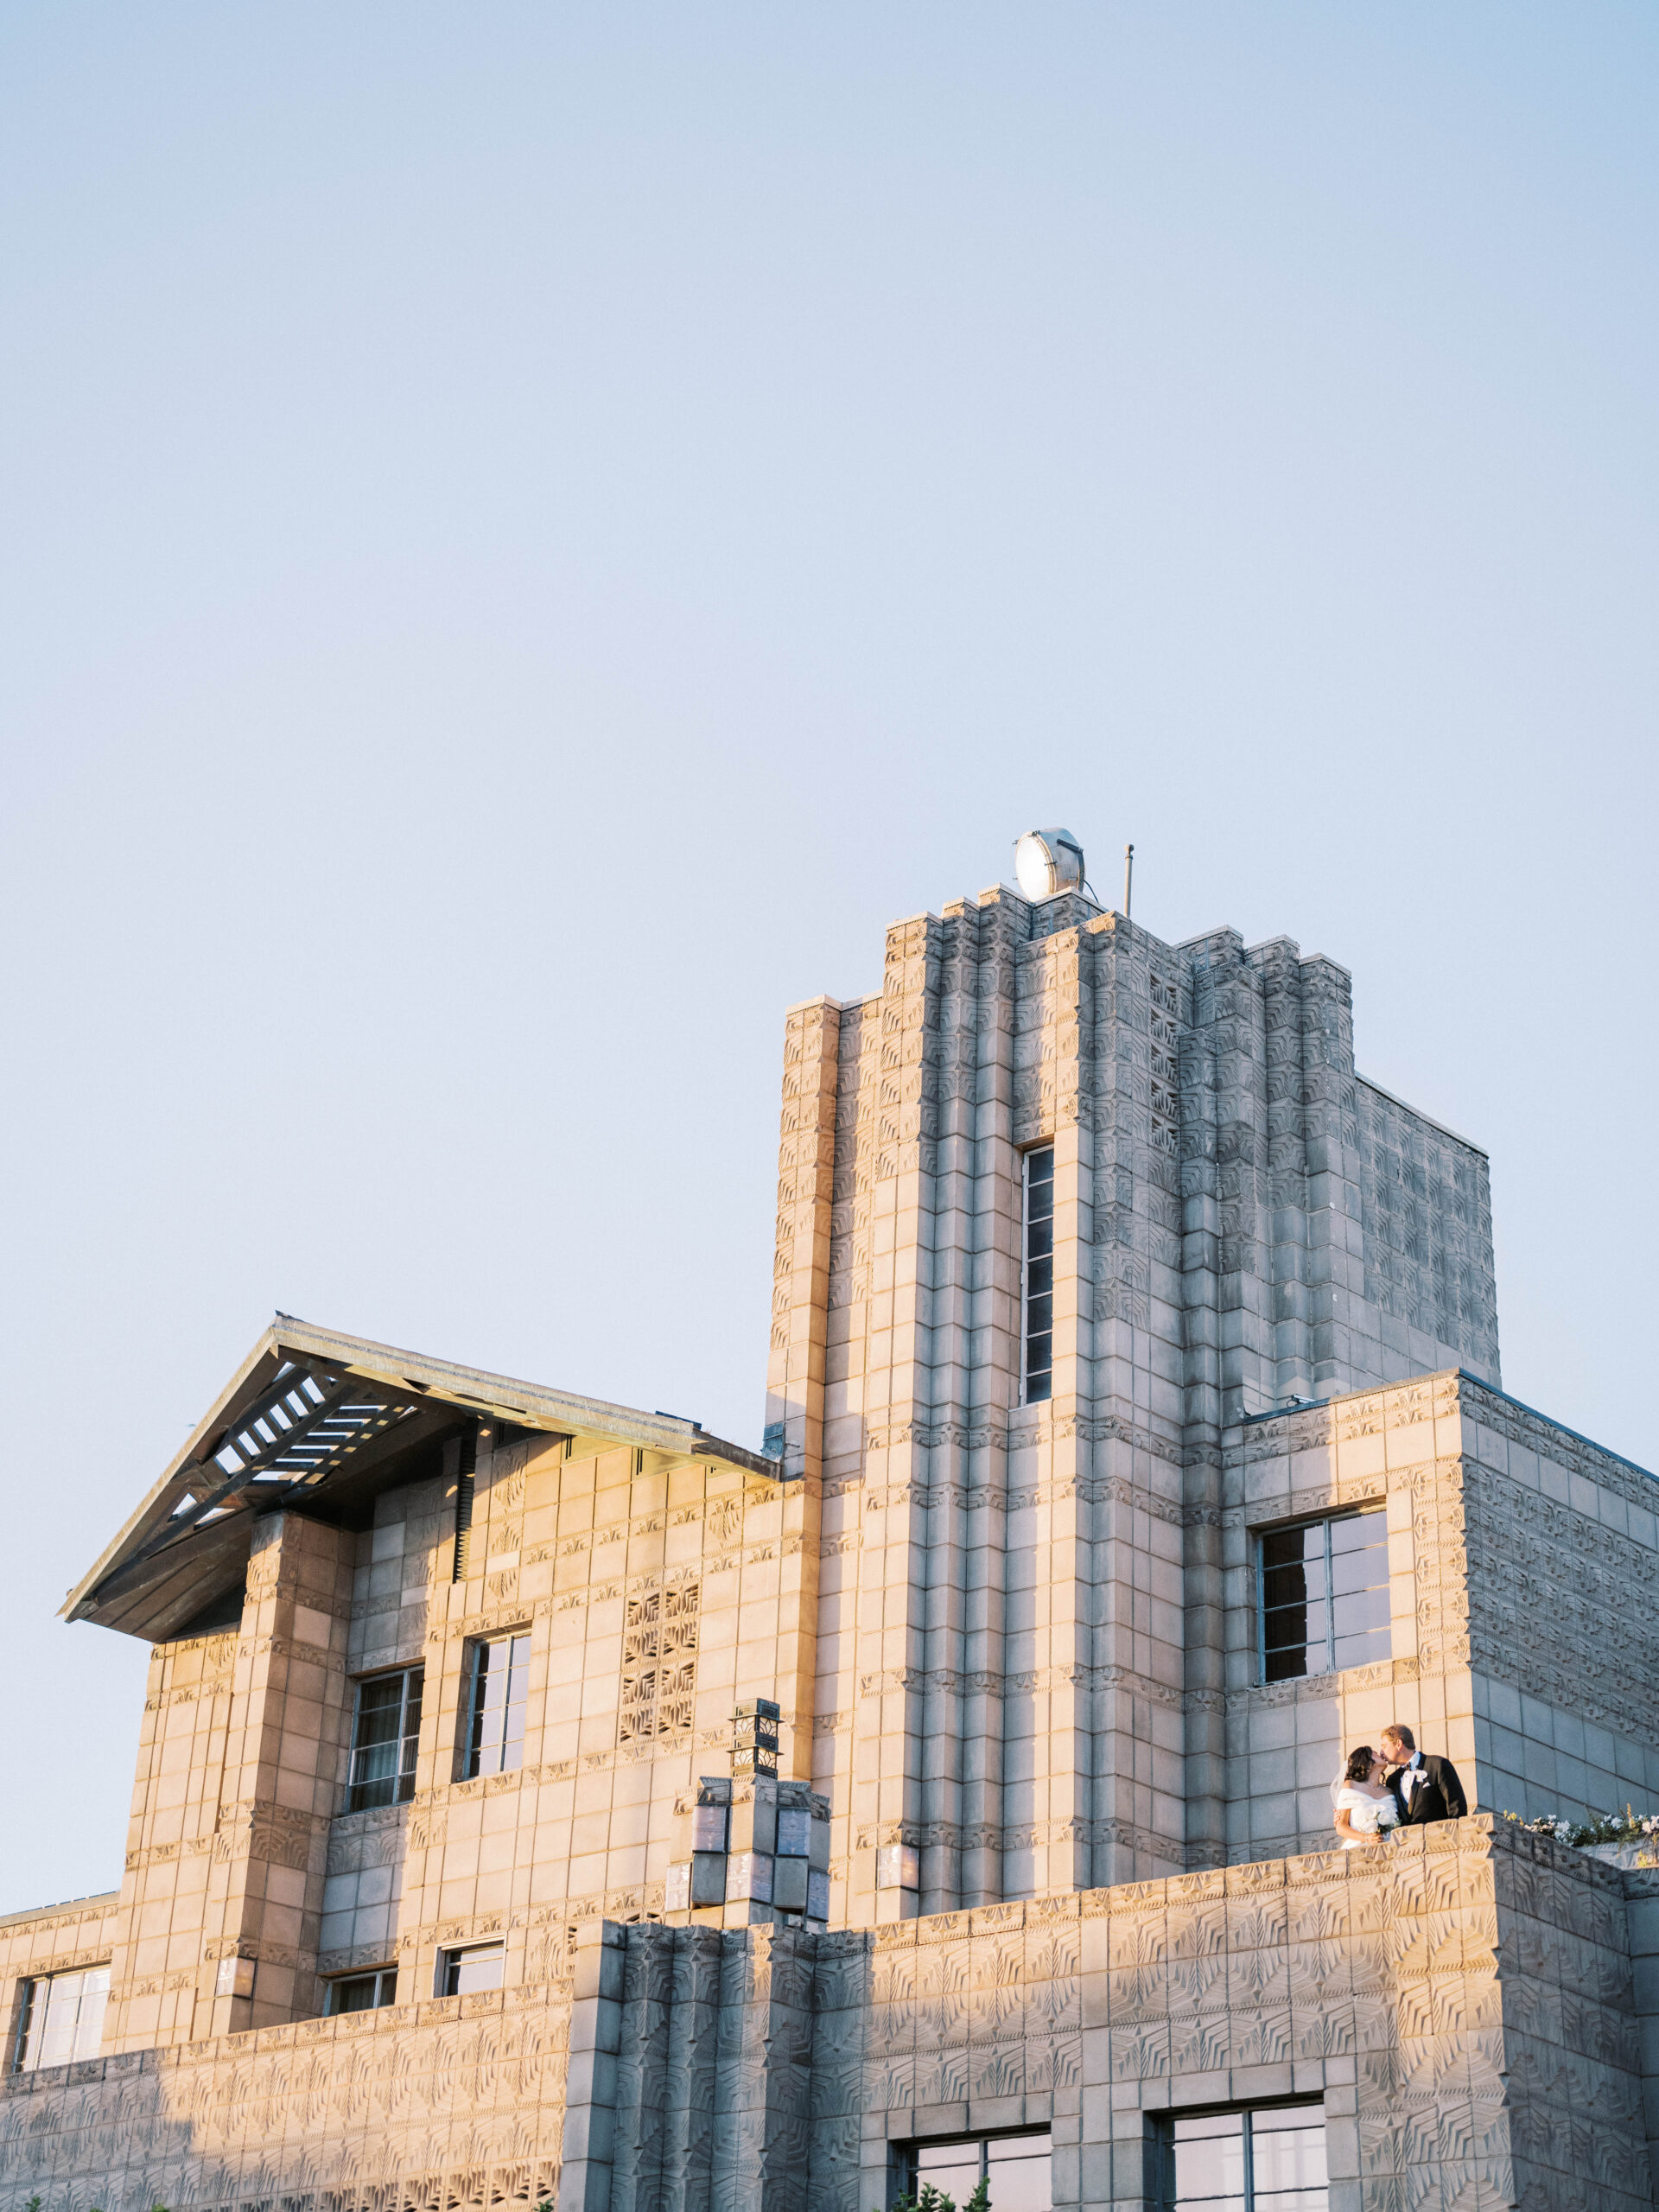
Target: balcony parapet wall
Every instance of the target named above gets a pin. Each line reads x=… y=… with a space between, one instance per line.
x=1469 y=2006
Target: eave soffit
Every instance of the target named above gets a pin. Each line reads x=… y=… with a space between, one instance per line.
x=293 y=1424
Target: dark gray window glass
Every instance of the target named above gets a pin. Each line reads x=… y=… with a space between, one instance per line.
x=362 y=1992
x=495 y=1740
x=1037 y=1316
x=1017 y=2169
x=385 y=1740
x=62 y=2019
x=1246 y=2162
x=1324 y=1596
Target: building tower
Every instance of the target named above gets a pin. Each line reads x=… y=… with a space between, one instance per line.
x=1059 y=1207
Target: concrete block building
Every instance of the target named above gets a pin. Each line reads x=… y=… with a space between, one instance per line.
x=540 y=1802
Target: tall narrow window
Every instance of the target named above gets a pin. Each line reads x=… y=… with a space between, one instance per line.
x=1246 y=2162
x=62 y=2019
x=1324 y=1596
x=1037 y=1285
x=495 y=1740
x=385 y=1740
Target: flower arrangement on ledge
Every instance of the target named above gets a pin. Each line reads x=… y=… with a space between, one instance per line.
x=1627 y=1826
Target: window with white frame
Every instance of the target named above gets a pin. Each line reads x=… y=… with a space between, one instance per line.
x=385 y=1740
x=1323 y=1595
x=362 y=1992
x=1266 y=2160
x=473 y=1967
x=495 y=1705
x=1037 y=1278
x=62 y=2019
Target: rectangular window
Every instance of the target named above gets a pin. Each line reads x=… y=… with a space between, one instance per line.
x=480 y=1966
x=362 y=1992
x=1017 y=2169
x=1324 y=1596
x=495 y=1737
x=386 y=1738
x=1037 y=1278
x=1271 y=2161
x=62 y=2019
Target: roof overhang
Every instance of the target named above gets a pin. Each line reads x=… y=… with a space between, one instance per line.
x=321 y=1422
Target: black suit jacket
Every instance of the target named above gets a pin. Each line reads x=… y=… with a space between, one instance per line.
x=1437 y=1796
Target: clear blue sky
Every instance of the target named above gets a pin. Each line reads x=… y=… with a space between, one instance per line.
x=531 y=532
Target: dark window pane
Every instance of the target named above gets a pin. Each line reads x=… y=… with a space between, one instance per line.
x=1295 y=1624
x=1039 y=1278
x=1039 y=1389
x=1288 y=1586
x=1039 y=1240
x=1039 y=1318
x=379 y=1707
x=1288 y=1547
x=1282 y=1666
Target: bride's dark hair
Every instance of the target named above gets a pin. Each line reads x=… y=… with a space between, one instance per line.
x=1359 y=1763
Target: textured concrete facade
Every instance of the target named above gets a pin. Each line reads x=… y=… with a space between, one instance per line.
x=1463 y=2006
x=1046 y=1849
x=1021 y=1622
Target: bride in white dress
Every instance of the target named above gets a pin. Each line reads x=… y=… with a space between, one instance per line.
x=1365 y=1805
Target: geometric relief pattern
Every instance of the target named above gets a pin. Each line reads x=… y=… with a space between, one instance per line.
x=660 y=1662
x=1466 y=1998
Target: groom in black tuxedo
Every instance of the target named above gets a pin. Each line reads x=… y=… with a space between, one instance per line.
x=1426 y=1787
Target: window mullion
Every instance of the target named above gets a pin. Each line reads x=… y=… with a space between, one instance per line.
x=1249 y=2165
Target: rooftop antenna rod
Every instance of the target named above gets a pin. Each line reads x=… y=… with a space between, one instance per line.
x=1128 y=877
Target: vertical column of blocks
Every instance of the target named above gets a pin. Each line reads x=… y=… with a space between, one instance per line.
x=1335 y=1251
x=1204 y=1587
x=1128 y=1495
x=284 y=1760
x=1279 y=965
x=798 y=1362
x=885 y=1793
x=991 y=1390
x=943 y=1294
x=221 y=1913
x=806 y=1160
x=160 y=1927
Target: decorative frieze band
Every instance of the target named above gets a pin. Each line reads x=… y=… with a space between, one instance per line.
x=923 y=1680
